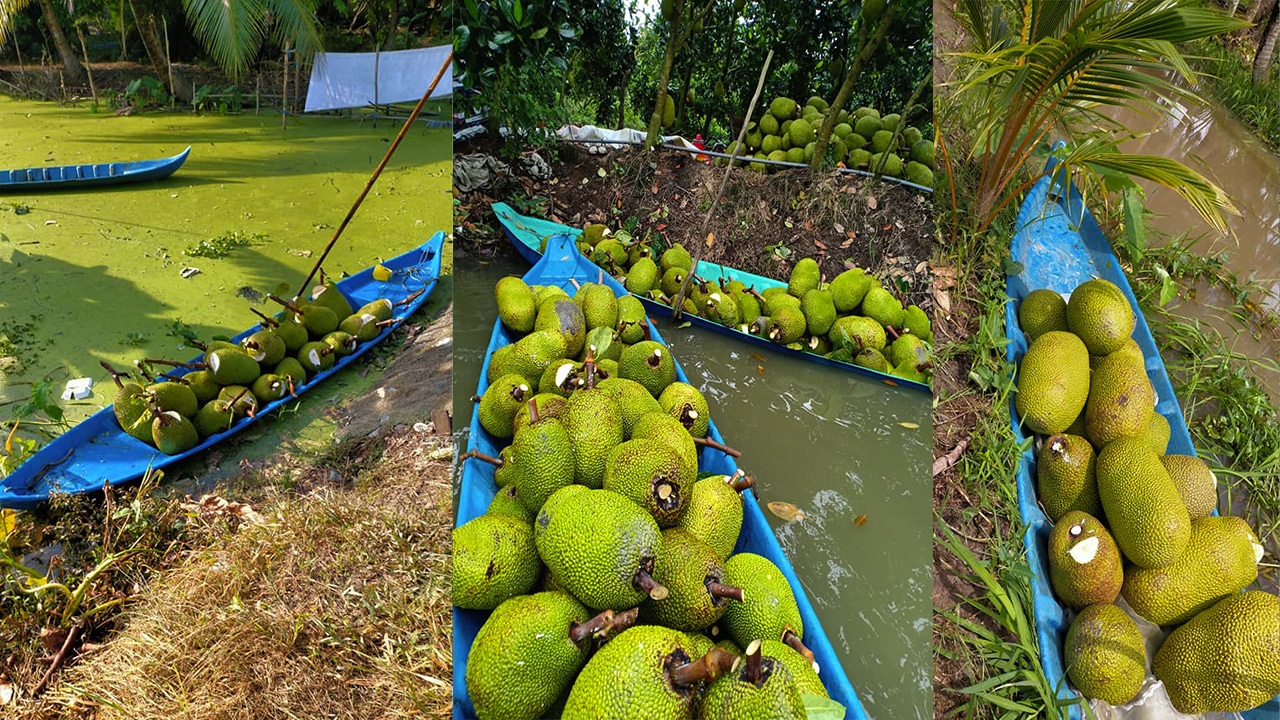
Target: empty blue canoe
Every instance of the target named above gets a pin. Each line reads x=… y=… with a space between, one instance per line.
x=1059 y=246
x=527 y=233
x=98 y=452
x=559 y=267
x=69 y=177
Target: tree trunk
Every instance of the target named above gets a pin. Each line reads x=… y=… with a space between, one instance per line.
x=655 y=121
x=1266 y=51
x=1258 y=12
x=846 y=88
x=146 y=23
x=683 y=100
x=622 y=101
x=390 y=42
x=71 y=64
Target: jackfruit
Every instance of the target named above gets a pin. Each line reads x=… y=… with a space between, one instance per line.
x=1053 y=382
x=642 y=277
x=507 y=502
x=631 y=320
x=880 y=305
x=493 y=559
x=516 y=304
x=1158 y=433
x=892 y=164
x=714 y=514
x=661 y=426
x=1085 y=566
x=783 y=108
x=1065 y=477
x=693 y=574
x=593 y=420
x=760 y=687
x=565 y=317
x=917 y=323
x=803 y=673
x=676 y=256
x=787 y=325
x=854 y=333
x=599 y=307
x=872 y=10
x=769 y=126
x=867 y=126
x=1226 y=659
x=173 y=434
x=649 y=363
x=1099 y=313
x=859 y=158
x=802 y=133
x=686 y=403
x=633 y=400
x=1196 y=483
x=848 y=288
x=768 y=609
x=1120 y=400
x=499 y=403
x=771 y=145
x=544 y=455
x=890 y=121
x=880 y=141
x=919 y=174
x=922 y=152
x=651 y=475
x=1041 y=311
x=871 y=359
x=1104 y=654
x=910 y=137
x=1221 y=559
x=668 y=111
x=1147 y=517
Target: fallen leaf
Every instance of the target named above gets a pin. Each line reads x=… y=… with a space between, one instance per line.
x=662 y=226
x=846 y=243
x=7 y=693
x=909 y=425
x=819 y=244
x=759 y=369
x=786 y=511
x=890 y=382
x=758 y=357
x=839 y=229
x=923 y=264
x=602 y=173
x=942 y=300
x=886 y=228
x=860 y=520
x=808 y=224
x=711 y=239
x=872 y=202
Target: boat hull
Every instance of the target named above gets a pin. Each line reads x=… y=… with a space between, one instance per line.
x=97 y=452
x=478 y=488
x=74 y=177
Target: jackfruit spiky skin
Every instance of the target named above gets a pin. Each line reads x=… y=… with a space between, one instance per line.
x=908 y=350
x=872 y=359
x=594 y=543
x=802 y=133
x=922 y=152
x=202 y=383
x=783 y=108
x=867 y=126
x=880 y=141
x=507 y=502
x=1099 y=313
x=499 y=403
x=768 y=609
x=599 y=307
x=522 y=659
x=663 y=427
x=819 y=310
x=1041 y=311
x=714 y=514
x=625 y=679
x=1085 y=566
x=593 y=420
x=919 y=173
x=493 y=559
x=633 y=399
x=1104 y=654
x=594 y=233
x=531 y=355
x=859 y=158
x=776 y=300
x=1158 y=433
x=910 y=137
x=769 y=126
x=650 y=474
x=1196 y=483
x=173 y=434
x=543 y=293
x=174 y=396
x=734 y=696
x=1120 y=402
x=915 y=321
x=517 y=307
x=649 y=363
x=1053 y=382
x=880 y=305
x=892 y=166
x=241 y=402
x=1226 y=659
x=1147 y=517
x=506 y=474
x=723 y=308
x=1221 y=559
x=848 y=289
x=544 y=455
x=565 y=316
x=549 y=405
x=676 y=256
x=642 y=277
x=786 y=325
x=269 y=388
x=673 y=400
x=234 y=367
x=856 y=333
x=362 y=326
x=215 y=416
x=872 y=10
x=631 y=312
x=560 y=378
x=890 y=121
x=684 y=566
x=668 y=111
x=266 y=347
x=329 y=296
x=802 y=673
x=1066 y=476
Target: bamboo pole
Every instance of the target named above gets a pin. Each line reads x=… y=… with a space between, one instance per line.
x=88 y=68
x=413 y=117
x=168 y=63
x=284 y=92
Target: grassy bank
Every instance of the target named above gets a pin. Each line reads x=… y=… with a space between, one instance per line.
x=1229 y=77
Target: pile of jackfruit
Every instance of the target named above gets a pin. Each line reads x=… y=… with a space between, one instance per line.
x=851 y=319
x=788 y=132
x=1135 y=522
x=606 y=557
x=231 y=381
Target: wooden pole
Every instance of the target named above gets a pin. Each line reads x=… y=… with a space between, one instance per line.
x=678 y=303
x=168 y=63
x=88 y=68
x=124 y=37
x=294 y=105
x=377 y=57
x=284 y=92
x=257 y=89
x=413 y=116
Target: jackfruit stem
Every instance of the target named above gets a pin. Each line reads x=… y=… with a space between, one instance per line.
x=115 y=374
x=137 y=364
x=755 y=664
x=533 y=412
x=648 y=330
x=292 y=393
x=481 y=456
x=792 y=639
x=708 y=668
x=740 y=481
x=198 y=345
x=708 y=442
x=286 y=304
x=252 y=411
x=726 y=591
x=410 y=298
x=388 y=322
x=892 y=333
x=644 y=581
x=173 y=378
x=590 y=365
x=688 y=416
x=268 y=322
x=518 y=392
x=655 y=359
x=170 y=363
x=583 y=631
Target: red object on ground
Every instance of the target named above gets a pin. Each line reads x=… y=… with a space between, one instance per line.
x=699 y=143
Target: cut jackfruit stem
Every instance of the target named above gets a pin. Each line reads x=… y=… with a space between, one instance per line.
x=481 y=456
x=137 y=364
x=655 y=360
x=708 y=668
x=388 y=322
x=589 y=366
x=725 y=591
x=740 y=481
x=533 y=412
x=755 y=664
x=285 y=304
x=170 y=363
x=708 y=442
x=644 y=581
x=410 y=299
x=267 y=322
x=792 y=639
x=115 y=374
x=604 y=625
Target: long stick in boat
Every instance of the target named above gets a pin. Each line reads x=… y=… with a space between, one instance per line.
x=413 y=116
x=678 y=303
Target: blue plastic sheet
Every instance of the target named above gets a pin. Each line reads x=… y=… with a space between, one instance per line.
x=560 y=265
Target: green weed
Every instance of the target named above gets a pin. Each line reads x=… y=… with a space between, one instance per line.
x=223 y=245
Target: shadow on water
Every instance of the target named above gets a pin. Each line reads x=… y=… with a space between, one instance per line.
x=827 y=441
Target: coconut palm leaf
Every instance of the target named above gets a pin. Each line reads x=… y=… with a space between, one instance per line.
x=232 y=31
x=9 y=10
x=1061 y=67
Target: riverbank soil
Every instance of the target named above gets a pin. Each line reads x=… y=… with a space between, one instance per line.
x=764 y=225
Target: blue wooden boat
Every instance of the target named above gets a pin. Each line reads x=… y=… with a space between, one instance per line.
x=559 y=267
x=74 y=177
x=1059 y=245
x=98 y=452
x=526 y=234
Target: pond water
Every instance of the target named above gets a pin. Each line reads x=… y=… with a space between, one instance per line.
x=830 y=442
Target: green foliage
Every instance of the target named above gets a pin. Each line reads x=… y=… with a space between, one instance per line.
x=603 y=57
x=223 y=100
x=1231 y=79
x=233 y=31
x=145 y=92
x=223 y=245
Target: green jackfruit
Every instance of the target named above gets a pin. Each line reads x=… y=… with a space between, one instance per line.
x=594 y=233
x=1041 y=311
x=1085 y=566
x=687 y=404
x=676 y=256
x=493 y=559
x=1147 y=517
x=714 y=514
x=651 y=475
x=1221 y=559
x=565 y=317
x=872 y=10
x=1158 y=433
x=908 y=350
x=783 y=108
x=819 y=311
x=599 y=307
x=872 y=359
x=1065 y=476
x=1053 y=382
x=1120 y=402
x=769 y=126
x=867 y=126
x=649 y=363
x=760 y=687
x=880 y=305
x=499 y=403
x=1099 y=313
x=919 y=174
x=880 y=141
x=663 y=427
x=173 y=434
x=1104 y=654
x=787 y=325
x=516 y=304
x=642 y=277
x=233 y=367
x=848 y=288
x=1196 y=483
x=801 y=133
x=507 y=502
x=922 y=152
x=854 y=332
x=633 y=400
x=917 y=323
x=892 y=164
x=593 y=419
x=693 y=574
x=631 y=320
x=768 y=610
x=544 y=455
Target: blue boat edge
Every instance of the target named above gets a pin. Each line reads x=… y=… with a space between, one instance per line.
x=103 y=421
x=477 y=480
x=1054 y=190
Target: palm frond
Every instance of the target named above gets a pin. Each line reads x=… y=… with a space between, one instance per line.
x=232 y=31
x=293 y=23
x=9 y=10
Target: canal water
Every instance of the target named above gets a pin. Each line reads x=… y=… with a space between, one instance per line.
x=831 y=443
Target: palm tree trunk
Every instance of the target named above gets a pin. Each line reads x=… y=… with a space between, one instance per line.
x=146 y=24
x=1266 y=51
x=1258 y=12
x=72 y=66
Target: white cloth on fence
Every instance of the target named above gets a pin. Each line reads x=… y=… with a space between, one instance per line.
x=346 y=80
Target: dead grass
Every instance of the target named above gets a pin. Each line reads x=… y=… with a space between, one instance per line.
x=335 y=606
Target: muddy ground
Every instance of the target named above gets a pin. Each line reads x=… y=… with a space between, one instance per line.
x=764 y=225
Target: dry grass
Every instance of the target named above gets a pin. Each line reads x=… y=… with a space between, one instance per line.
x=337 y=607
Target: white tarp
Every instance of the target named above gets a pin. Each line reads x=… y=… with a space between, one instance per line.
x=346 y=80
x=615 y=138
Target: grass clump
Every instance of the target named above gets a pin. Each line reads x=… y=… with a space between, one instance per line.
x=223 y=245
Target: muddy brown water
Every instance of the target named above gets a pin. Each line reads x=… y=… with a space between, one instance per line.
x=829 y=442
